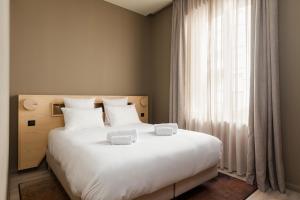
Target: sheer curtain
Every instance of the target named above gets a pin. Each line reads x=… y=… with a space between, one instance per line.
x=215 y=72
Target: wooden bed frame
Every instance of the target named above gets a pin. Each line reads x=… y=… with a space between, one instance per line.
x=38 y=114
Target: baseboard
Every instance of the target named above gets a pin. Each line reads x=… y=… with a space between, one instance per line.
x=232 y=174
x=293 y=187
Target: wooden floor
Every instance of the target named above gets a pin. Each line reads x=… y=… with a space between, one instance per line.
x=16 y=179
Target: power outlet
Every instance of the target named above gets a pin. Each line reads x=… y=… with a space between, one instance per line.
x=31 y=123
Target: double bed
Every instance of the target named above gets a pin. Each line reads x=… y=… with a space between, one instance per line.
x=90 y=168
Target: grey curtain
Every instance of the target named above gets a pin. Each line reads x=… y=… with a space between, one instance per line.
x=177 y=80
x=265 y=163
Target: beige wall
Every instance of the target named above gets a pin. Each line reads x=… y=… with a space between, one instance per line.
x=4 y=95
x=75 y=47
x=289 y=44
x=160 y=27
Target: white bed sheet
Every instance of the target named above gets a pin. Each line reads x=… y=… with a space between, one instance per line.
x=97 y=170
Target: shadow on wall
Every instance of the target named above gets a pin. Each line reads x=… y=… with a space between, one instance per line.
x=13 y=139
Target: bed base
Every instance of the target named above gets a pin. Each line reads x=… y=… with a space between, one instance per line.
x=169 y=192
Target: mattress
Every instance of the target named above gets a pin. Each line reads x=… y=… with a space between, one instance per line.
x=97 y=170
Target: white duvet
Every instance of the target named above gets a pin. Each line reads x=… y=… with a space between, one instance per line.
x=97 y=170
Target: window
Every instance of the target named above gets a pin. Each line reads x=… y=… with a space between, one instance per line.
x=219 y=63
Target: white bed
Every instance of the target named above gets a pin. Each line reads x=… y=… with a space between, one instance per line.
x=96 y=170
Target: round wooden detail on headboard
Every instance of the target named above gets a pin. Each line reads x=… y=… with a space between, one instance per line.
x=30 y=104
x=143 y=102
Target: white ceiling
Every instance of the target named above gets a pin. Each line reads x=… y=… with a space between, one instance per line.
x=143 y=7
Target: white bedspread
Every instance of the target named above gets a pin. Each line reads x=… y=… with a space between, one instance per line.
x=97 y=170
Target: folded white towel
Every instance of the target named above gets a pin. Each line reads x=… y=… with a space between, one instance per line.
x=174 y=126
x=163 y=131
x=133 y=133
x=121 y=140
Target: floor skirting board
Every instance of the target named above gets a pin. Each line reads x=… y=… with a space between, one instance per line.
x=293 y=187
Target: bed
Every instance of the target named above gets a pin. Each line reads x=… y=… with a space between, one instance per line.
x=89 y=168
x=155 y=167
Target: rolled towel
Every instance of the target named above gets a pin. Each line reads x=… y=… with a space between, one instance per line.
x=163 y=131
x=133 y=133
x=174 y=126
x=121 y=140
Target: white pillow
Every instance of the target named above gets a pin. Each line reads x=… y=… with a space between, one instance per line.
x=122 y=115
x=79 y=103
x=113 y=102
x=82 y=118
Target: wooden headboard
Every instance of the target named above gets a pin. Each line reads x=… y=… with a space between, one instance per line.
x=38 y=114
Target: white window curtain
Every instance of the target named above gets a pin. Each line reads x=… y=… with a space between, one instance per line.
x=217 y=74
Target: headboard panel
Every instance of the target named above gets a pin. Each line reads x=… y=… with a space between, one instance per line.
x=38 y=114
